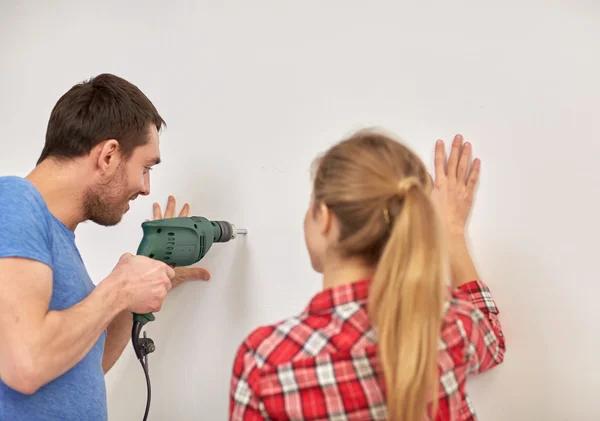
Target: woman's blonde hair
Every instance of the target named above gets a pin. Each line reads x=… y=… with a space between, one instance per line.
x=380 y=192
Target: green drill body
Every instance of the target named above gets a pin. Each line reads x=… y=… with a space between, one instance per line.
x=181 y=241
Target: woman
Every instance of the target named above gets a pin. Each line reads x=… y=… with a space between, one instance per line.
x=387 y=338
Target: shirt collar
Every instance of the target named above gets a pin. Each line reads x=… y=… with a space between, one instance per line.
x=330 y=298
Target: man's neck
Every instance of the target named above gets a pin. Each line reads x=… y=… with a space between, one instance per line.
x=63 y=187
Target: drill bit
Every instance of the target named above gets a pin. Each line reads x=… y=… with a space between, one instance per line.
x=230 y=231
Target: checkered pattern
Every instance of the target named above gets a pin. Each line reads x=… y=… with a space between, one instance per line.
x=322 y=364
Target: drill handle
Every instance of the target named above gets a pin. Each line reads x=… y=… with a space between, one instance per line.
x=142 y=319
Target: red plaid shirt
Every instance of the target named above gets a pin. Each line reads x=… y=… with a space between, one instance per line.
x=322 y=364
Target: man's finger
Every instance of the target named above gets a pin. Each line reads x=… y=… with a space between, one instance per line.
x=156 y=211
x=192 y=274
x=440 y=161
x=185 y=211
x=454 y=155
x=170 y=209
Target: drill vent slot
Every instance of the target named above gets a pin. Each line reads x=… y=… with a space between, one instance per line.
x=171 y=234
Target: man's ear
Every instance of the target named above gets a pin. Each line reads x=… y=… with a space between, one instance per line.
x=107 y=156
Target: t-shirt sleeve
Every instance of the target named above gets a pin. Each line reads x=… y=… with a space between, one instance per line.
x=24 y=223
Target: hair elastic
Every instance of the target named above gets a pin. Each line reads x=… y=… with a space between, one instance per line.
x=386 y=215
x=408 y=183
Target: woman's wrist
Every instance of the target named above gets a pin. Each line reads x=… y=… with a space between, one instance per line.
x=462 y=268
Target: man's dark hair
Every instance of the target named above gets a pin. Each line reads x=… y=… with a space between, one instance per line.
x=103 y=107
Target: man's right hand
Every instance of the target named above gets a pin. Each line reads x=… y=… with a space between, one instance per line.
x=142 y=283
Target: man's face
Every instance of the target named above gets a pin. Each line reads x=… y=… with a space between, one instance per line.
x=106 y=202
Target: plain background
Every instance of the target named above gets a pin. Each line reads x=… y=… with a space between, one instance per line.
x=253 y=91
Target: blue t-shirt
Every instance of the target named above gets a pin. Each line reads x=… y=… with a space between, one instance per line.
x=29 y=230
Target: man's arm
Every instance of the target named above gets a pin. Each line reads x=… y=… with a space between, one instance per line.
x=37 y=345
x=118 y=336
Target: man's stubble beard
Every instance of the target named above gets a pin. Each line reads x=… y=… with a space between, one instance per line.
x=105 y=204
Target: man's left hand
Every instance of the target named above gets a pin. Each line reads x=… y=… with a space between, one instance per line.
x=182 y=274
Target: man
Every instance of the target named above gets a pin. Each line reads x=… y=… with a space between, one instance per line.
x=59 y=333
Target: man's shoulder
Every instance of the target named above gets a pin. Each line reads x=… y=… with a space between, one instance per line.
x=16 y=184
x=17 y=194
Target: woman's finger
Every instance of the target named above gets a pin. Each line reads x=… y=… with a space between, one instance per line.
x=463 y=163
x=454 y=156
x=474 y=176
x=440 y=161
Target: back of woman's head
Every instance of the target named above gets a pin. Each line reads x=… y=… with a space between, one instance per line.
x=379 y=191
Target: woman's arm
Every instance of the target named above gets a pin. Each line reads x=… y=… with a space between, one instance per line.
x=462 y=268
x=453 y=193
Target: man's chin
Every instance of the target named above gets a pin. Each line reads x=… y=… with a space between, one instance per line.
x=109 y=220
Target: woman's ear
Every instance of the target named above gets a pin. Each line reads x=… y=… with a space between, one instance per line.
x=325 y=218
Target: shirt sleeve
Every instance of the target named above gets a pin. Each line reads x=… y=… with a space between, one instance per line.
x=244 y=403
x=23 y=222
x=485 y=346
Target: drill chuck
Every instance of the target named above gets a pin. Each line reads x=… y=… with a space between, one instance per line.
x=228 y=232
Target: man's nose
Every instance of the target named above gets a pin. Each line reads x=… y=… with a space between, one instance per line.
x=145 y=190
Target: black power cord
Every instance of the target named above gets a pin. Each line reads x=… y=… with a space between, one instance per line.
x=143 y=347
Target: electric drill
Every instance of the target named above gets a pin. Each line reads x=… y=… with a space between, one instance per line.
x=180 y=241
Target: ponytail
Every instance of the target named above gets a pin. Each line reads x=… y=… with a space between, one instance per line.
x=406 y=305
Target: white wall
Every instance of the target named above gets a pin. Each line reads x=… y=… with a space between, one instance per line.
x=252 y=91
